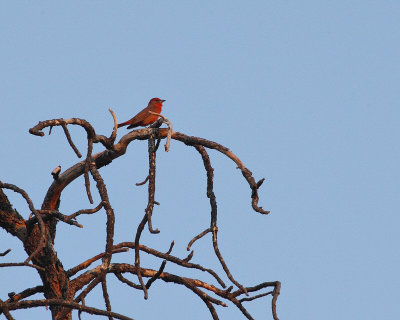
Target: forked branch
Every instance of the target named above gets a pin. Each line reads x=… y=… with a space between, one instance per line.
x=66 y=290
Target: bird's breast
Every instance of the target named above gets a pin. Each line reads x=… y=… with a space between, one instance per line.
x=156 y=108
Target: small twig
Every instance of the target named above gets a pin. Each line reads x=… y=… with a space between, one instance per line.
x=5 y=252
x=172 y=259
x=255 y=288
x=88 y=262
x=157 y=144
x=13 y=297
x=106 y=296
x=242 y=309
x=21 y=264
x=199 y=236
x=71 y=143
x=109 y=212
x=114 y=133
x=189 y=257
x=154 y=278
x=161 y=269
x=222 y=261
x=82 y=295
x=108 y=143
x=32 y=208
x=206 y=298
x=260 y=182
x=89 y=288
x=170 y=130
x=55 y=173
x=128 y=282
x=137 y=255
x=211 y=309
x=255 y=297
x=143 y=182
x=85 y=211
x=87 y=167
x=210 y=184
x=275 y=294
x=49 y=214
x=170 y=247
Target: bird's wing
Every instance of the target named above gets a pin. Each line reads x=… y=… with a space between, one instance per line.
x=136 y=120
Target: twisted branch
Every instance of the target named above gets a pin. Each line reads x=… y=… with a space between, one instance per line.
x=68 y=293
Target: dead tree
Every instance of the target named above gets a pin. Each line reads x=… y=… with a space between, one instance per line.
x=64 y=290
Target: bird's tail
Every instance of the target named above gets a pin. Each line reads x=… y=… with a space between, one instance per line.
x=124 y=124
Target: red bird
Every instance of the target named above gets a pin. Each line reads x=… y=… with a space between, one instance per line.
x=144 y=118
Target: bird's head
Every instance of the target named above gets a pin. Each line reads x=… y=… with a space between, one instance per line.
x=156 y=101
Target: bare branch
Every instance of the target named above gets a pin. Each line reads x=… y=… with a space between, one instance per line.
x=106 y=296
x=71 y=292
x=149 y=209
x=256 y=297
x=68 y=136
x=172 y=259
x=109 y=142
x=137 y=255
x=210 y=184
x=109 y=211
x=20 y=264
x=24 y=294
x=55 y=173
x=32 y=208
x=242 y=309
x=5 y=252
x=95 y=280
x=275 y=294
x=88 y=262
x=104 y=158
x=4 y=309
x=129 y=283
x=87 y=165
x=199 y=236
x=161 y=269
x=152 y=183
x=51 y=214
x=154 y=278
x=170 y=130
x=10 y=219
x=26 y=304
x=114 y=133
x=222 y=261
x=37 y=130
x=143 y=182
x=85 y=211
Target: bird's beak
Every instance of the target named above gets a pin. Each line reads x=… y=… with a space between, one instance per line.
x=163 y=100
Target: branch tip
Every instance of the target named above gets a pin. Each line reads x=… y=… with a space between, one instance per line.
x=5 y=253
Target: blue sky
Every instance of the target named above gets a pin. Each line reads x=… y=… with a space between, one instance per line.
x=305 y=93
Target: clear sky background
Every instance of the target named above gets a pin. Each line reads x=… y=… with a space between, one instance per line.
x=306 y=93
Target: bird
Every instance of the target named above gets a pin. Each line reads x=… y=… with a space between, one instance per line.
x=144 y=117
